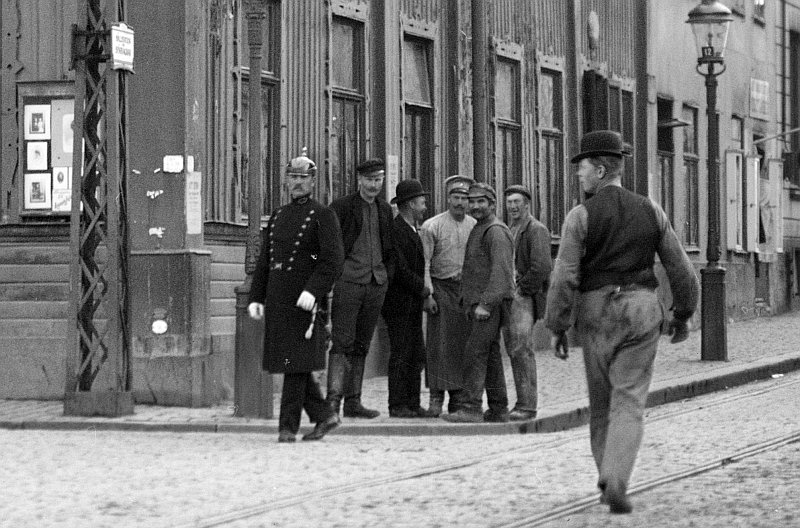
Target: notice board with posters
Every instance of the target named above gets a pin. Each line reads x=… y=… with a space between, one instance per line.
x=46 y=143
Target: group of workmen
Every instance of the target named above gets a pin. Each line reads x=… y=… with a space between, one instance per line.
x=479 y=280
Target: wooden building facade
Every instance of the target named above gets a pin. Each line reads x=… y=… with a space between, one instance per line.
x=346 y=79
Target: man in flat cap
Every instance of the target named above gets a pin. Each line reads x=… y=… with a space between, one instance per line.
x=301 y=257
x=532 y=267
x=402 y=308
x=604 y=270
x=487 y=288
x=444 y=239
x=366 y=221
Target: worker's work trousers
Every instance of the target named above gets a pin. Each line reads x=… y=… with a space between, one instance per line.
x=518 y=339
x=619 y=331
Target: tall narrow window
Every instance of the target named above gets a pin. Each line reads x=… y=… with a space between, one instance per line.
x=666 y=156
x=270 y=111
x=691 y=228
x=793 y=168
x=348 y=98
x=758 y=8
x=508 y=137
x=418 y=136
x=551 y=152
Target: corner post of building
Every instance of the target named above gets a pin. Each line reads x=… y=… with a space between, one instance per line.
x=252 y=386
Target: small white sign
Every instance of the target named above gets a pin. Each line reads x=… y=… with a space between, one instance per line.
x=194 y=203
x=392 y=175
x=121 y=47
x=173 y=163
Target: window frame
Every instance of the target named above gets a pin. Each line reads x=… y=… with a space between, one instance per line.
x=419 y=151
x=556 y=193
x=691 y=184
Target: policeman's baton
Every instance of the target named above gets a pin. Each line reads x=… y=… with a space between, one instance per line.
x=313 y=318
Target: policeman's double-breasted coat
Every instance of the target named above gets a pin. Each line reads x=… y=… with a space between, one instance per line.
x=301 y=250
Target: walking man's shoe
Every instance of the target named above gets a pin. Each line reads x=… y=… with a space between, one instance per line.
x=519 y=415
x=324 y=427
x=285 y=436
x=463 y=416
x=616 y=497
x=359 y=411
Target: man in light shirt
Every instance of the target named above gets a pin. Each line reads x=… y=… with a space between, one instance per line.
x=444 y=239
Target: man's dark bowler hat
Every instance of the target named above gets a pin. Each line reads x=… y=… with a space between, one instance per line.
x=600 y=143
x=408 y=190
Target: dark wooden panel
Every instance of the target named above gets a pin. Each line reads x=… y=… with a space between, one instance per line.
x=33 y=310
x=35 y=292
x=21 y=273
x=43 y=254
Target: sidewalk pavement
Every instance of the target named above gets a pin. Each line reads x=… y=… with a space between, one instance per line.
x=757 y=349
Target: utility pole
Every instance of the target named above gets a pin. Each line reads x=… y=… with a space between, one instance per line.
x=98 y=377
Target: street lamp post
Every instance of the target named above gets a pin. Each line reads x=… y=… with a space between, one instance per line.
x=710 y=22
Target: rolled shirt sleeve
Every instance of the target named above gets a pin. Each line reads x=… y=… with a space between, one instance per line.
x=566 y=274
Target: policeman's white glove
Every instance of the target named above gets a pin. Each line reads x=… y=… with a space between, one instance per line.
x=306 y=301
x=255 y=310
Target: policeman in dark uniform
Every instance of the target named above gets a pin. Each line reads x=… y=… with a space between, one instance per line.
x=301 y=258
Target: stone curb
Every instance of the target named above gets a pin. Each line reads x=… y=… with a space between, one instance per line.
x=546 y=424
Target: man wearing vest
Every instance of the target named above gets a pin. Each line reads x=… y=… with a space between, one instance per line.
x=487 y=287
x=605 y=264
x=532 y=267
x=358 y=295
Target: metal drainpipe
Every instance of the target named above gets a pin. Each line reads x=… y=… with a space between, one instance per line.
x=479 y=99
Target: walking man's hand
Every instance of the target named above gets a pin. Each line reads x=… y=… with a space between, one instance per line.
x=481 y=313
x=679 y=330
x=560 y=345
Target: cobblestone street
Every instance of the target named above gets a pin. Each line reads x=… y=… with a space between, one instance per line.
x=60 y=478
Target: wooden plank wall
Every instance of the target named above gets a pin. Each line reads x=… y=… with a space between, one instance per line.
x=34 y=295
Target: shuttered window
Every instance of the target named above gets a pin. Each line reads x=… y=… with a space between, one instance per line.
x=507 y=111
x=691 y=227
x=347 y=145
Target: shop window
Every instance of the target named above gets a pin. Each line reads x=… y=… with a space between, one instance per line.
x=508 y=131
x=551 y=152
x=46 y=150
x=418 y=134
x=691 y=225
x=347 y=145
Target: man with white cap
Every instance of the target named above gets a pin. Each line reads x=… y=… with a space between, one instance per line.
x=444 y=239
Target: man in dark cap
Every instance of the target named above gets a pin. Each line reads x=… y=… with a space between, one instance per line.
x=301 y=257
x=402 y=308
x=532 y=267
x=366 y=221
x=605 y=270
x=487 y=288
x=444 y=239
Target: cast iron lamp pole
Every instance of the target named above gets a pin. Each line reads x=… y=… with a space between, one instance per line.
x=710 y=21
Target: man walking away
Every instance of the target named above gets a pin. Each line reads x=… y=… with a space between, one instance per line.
x=532 y=267
x=605 y=266
x=366 y=221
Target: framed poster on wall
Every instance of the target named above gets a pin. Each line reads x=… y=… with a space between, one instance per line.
x=36 y=158
x=37 y=121
x=37 y=191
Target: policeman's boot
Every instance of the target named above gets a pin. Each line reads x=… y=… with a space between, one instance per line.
x=338 y=370
x=352 y=402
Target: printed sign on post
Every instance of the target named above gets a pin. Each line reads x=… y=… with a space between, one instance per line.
x=121 y=47
x=194 y=203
